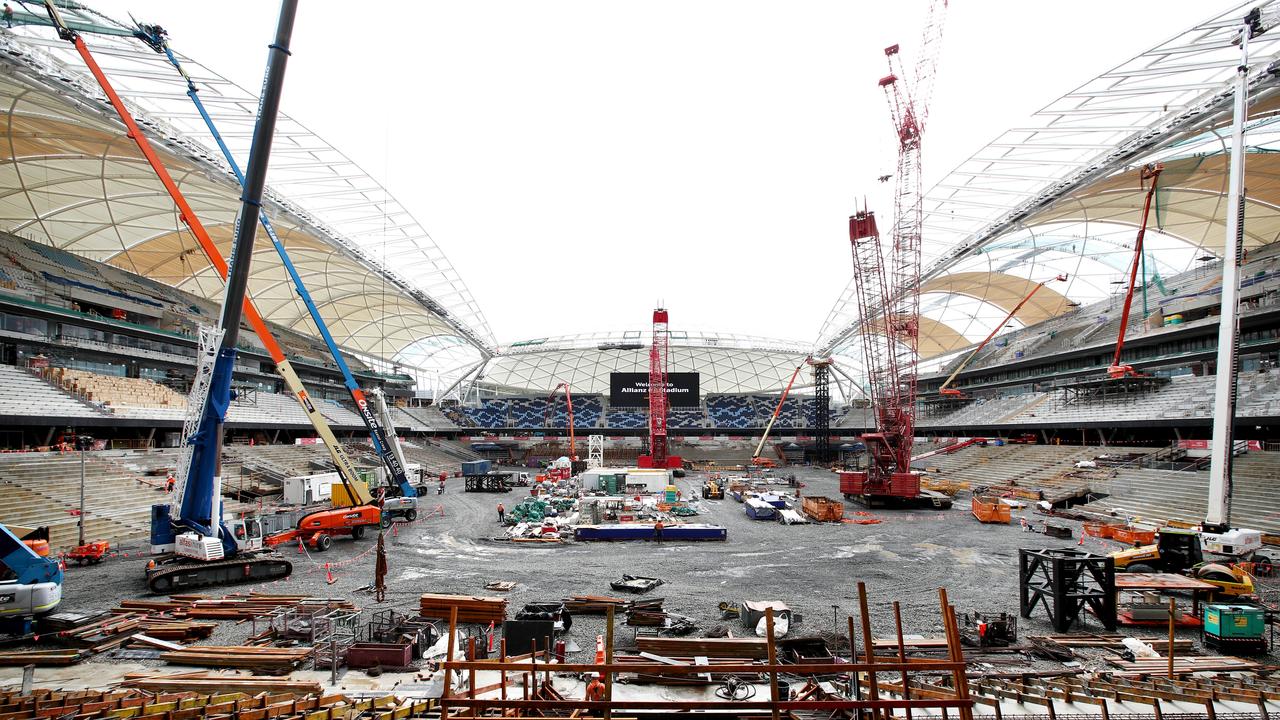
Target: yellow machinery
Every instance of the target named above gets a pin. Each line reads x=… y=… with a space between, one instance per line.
x=712 y=489
x=1179 y=551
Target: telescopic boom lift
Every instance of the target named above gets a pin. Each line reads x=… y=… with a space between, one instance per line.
x=755 y=456
x=156 y=38
x=193 y=525
x=568 y=398
x=946 y=390
x=1117 y=369
x=345 y=469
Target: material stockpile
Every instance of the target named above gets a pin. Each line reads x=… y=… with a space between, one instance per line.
x=231 y=607
x=221 y=699
x=754 y=648
x=597 y=604
x=266 y=659
x=822 y=509
x=471 y=609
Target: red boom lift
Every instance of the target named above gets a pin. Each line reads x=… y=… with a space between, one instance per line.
x=1118 y=370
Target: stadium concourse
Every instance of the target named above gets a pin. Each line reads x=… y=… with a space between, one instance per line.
x=496 y=463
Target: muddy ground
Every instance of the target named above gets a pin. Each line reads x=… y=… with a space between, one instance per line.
x=813 y=568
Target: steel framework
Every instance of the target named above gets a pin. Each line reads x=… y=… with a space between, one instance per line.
x=1171 y=100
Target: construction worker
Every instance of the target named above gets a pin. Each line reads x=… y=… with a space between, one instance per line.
x=8 y=16
x=595 y=690
x=502 y=514
x=441 y=490
x=657 y=531
x=169 y=482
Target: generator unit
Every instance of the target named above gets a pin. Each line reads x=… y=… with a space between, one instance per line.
x=1235 y=628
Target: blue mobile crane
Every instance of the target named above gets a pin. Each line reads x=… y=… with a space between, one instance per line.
x=157 y=39
x=208 y=550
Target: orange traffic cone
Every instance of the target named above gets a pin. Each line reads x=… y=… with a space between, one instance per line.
x=301 y=550
x=395 y=529
x=600 y=653
x=1080 y=541
x=328 y=574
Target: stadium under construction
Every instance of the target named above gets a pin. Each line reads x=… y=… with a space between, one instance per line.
x=262 y=455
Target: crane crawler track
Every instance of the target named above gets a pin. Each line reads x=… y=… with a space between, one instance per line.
x=172 y=575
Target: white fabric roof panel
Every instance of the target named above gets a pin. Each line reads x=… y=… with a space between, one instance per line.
x=69 y=177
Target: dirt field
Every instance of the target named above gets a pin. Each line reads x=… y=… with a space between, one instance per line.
x=812 y=568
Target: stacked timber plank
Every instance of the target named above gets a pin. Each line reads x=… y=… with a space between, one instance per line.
x=215 y=683
x=1190 y=664
x=471 y=608
x=1108 y=641
x=231 y=607
x=647 y=613
x=711 y=677
x=239 y=656
x=756 y=648
x=41 y=658
x=595 y=604
x=201 y=706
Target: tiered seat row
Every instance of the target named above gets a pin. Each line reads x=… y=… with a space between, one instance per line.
x=113 y=391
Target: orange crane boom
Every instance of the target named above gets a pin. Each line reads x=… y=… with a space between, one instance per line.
x=946 y=390
x=755 y=457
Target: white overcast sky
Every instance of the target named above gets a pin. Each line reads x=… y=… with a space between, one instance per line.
x=580 y=161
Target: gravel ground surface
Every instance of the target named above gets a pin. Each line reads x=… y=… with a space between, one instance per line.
x=813 y=568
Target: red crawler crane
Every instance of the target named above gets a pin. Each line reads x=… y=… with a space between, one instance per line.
x=658 y=355
x=887 y=282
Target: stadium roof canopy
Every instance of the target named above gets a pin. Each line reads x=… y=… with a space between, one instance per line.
x=70 y=177
x=1062 y=194
x=727 y=363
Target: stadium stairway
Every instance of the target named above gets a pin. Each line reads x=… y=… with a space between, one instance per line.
x=44 y=489
x=1159 y=495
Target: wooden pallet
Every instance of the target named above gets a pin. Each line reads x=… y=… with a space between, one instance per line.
x=471 y=609
x=755 y=648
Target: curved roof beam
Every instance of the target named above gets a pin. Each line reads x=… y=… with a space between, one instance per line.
x=1002 y=290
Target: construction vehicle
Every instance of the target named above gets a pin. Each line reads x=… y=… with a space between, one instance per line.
x=90 y=553
x=946 y=390
x=199 y=548
x=712 y=489
x=401 y=500
x=1118 y=369
x=1180 y=551
x=887 y=287
x=764 y=462
x=30 y=585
